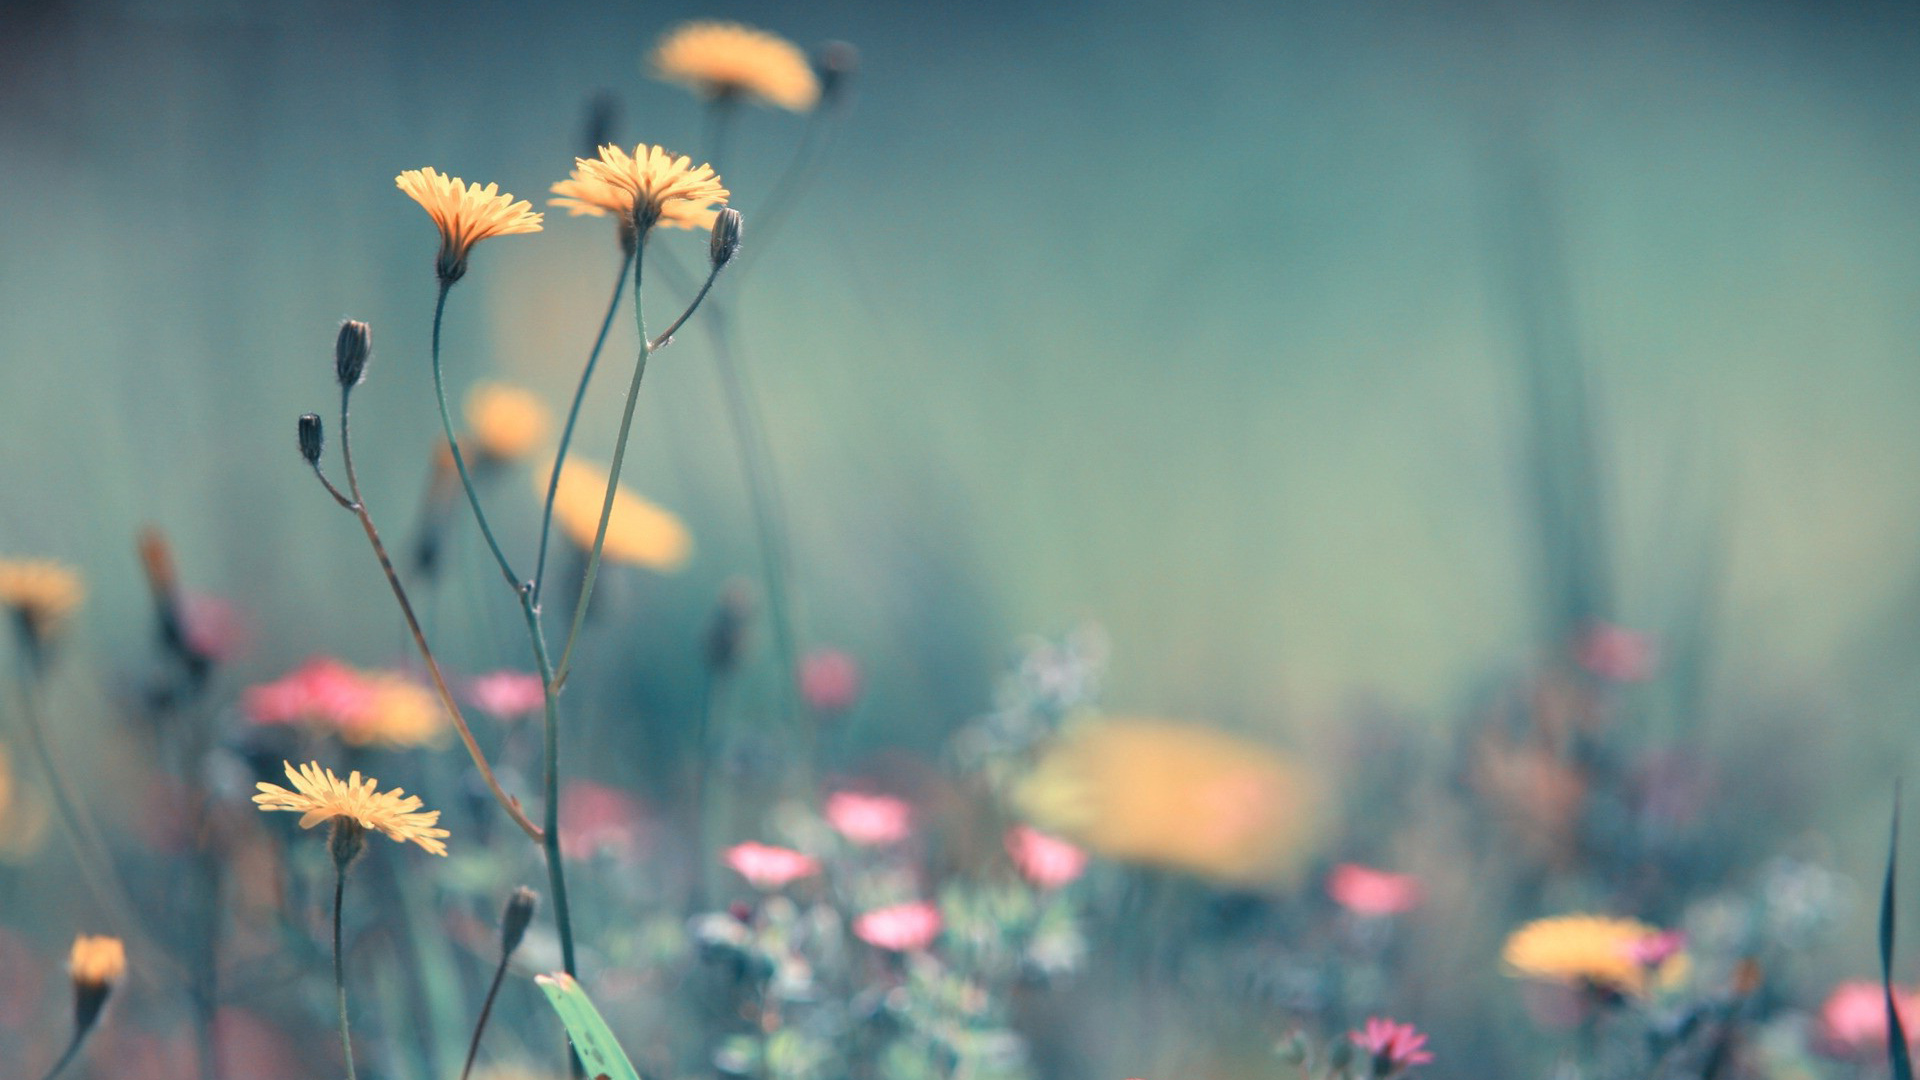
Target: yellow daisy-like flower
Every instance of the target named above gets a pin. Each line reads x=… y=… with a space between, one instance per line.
x=398 y=712
x=647 y=187
x=97 y=960
x=506 y=422
x=321 y=796
x=1596 y=949
x=466 y=215
x=42 y=593
x=638 y=532
x=725 y=59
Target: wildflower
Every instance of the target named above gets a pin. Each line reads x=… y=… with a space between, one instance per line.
x=506 y=422
x=900 y=927
x=597 y=819
x=1589 y=950
x=322 y=796
x=94 y=965
x=1046 y=861
x=1853 y=1019
x=723 y=60
x=1393 y=1047
x=869 y=820
x=41 y=594
x=505 y=695
x=638 y=532
x=768 y=867
x=1615 y=653
x=645 y=188
x=829 y=680
x=466 y=214
x=1374 y=893
x=362 y=708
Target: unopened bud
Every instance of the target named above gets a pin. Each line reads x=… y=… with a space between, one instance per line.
x=836 y=62
x=513 y=922
x=603 y=116
x=350 y=352
x=313 y=438
x=726 y=237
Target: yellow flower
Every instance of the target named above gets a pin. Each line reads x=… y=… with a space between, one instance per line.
x=1176 y=795
x=322 y=796
x=647 y=187
x=97 y=961
x=466 y=215
x=723 y=59
x=506 y=421
x=638 y=532
x=40 y=592
x=398 y=712
x=1596 y=949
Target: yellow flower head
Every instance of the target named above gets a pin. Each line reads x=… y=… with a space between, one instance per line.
x=41 y=593
x=723 y=59
x=1176 y=795
x=506 y=421
x=1596 y=949
x=97 y=961
x=466 y=215
x=398 y=712
x=321 y=796
x=645 y=188
x=638 y=532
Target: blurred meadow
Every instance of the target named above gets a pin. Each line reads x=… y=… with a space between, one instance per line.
x=1231 y=514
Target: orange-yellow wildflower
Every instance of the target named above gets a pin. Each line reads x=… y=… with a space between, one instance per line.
x=320 y=796
x=639 y=532
x=647 y=187
x=726 y=59
x=1592 y=949
x=41 y=593
x=466 y=214
x=97 y=961
x=506 y=422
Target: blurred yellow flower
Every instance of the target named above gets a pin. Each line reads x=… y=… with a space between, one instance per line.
x=1617 y=954
x=322 y=796
x=41 y=593
x=1176 y=795
x=647 y=187
x=725 y=59
x=638 y=532
x=97 y=960
x=23 y=819
x=398 y=712
x=506 y=422
x=466 y=215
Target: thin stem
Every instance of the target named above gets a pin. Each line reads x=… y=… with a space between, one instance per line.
x=507 y=802
x=321 y=475
x=72 y=1051
x=339 y=965
x=486 y=1011
x=666 y=336
x=550 y=835
x=573 y=417
x=453 y=444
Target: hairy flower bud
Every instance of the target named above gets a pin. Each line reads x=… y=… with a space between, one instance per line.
x=513 y=922
x=313 y=438
x=725 y=243
x=350 y=352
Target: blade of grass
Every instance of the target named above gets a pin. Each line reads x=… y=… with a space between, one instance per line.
x=592 y=1039
x=1900 y=1060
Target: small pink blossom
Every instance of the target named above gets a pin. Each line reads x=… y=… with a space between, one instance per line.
x=1042 y=859
x=507 y=695
x=596 y=819
x=1853 y=1020
x=320 y=689
x=899 y=928
x=829 y=680
x=1656 y=948
x=214 y=628
x=1616 y=653
x=869 y=820
x=1375 y=893
x=768 y=867
x=1394 y=1047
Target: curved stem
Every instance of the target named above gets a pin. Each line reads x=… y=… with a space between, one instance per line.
x=486 y=1011
x=72 y=1051
x=666 y=336
x=359 y=507
x=573 y=417
x=339 y=966
x=453 y=444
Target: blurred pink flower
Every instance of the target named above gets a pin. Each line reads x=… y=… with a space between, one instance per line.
x=507 y=695
x=1394 y=1047
x=1615 y=653
x=597 y=819
x=869 y=820
x=320 y=689
x=899 y=928
x=214 y=627
x=1655 y=949
x=1366 y=891
x=1043 y=860
x=829 y=680
x=1853 y=1020
x=768 y=867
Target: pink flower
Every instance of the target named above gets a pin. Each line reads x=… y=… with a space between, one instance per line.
x=597 y=819
x=1394 y=1047
x=829 y=680
x=214 y=628
x=1655 y=949
x=1376 y=893
x=899 y=928
x=1615 y=653
x=869 y=820
x=507 y=695
x=1043 y=860
x=321 y=689
x=1854 y=1018
x=768 y=867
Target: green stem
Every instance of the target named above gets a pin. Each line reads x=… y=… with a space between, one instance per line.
x=486 y=1012
x=573 y=417
x=72 y=1051
x=453 y=444
x=666 y=336
x=550 y=834
x=339 y=966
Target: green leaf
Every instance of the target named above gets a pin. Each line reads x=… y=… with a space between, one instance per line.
x=599 y=1052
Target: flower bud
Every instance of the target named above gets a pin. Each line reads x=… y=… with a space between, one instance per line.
x=835 y=62
x=94 y=965
x=350 y=352
x=513 y=922
x=313 y=438
x=725 y=243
